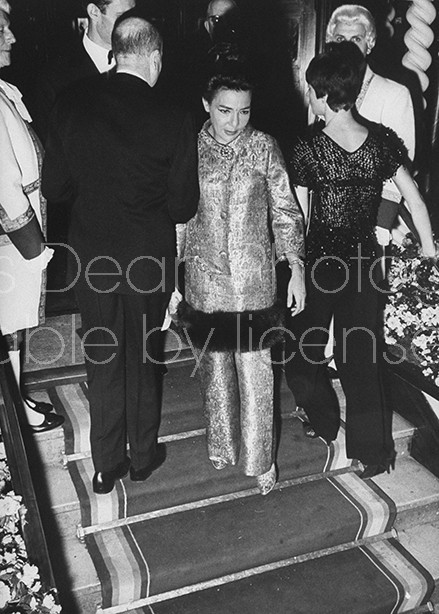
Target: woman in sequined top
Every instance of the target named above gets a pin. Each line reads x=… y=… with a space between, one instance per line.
x=230 y=312
x=344 y=166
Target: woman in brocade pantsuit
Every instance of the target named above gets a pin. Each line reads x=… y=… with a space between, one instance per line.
x=230 y=308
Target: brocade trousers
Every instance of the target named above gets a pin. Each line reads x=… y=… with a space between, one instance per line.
x=237 y=389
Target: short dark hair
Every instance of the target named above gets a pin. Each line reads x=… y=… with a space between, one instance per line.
x=337 y=73
x=229 y=75
x=133 y=34
x=101 y=4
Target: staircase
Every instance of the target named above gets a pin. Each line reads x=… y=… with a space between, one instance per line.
x=192 y=539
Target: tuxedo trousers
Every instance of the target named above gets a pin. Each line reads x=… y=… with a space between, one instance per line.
x=121 y=340
x=352 y=297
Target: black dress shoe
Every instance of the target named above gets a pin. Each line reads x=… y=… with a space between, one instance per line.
x=39 y=406
x=370 y=471
x=103 y=481
x=51 y=421
x=140 y=475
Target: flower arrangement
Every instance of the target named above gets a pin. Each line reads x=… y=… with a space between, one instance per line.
x=20 y=587
x=411 y=315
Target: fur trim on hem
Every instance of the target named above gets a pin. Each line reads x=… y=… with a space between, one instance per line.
x=223 y=331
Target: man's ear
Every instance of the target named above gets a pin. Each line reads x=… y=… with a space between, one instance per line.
x=92 y=11
x=156 y=58
x=206 y=105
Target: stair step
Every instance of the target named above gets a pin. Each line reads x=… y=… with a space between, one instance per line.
x=415 y=491
x=197 y=543
x=356 y=580
x=422 y=541
x=75 y=575
x=187 y=476
x=193 y=528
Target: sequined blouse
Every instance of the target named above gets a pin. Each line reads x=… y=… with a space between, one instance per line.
x=346 y=191
x=245 y=202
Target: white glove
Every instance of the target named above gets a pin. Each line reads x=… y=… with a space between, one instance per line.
x=171 y=310
x=40 y=262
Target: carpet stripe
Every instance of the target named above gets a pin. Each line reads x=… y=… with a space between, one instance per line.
x=102 y=508
x=75 y=407
x=254 y=571
x=408 y=574
x=200 y=503
x=337 y=452
x=127 y=574
x=377 y=517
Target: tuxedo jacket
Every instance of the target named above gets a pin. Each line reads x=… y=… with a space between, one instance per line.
x=56 y=76
x=128 y=159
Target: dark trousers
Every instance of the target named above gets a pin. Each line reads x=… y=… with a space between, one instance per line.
x=121 y=339
x=351 y=298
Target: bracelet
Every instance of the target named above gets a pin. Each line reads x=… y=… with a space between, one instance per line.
x=298 y=261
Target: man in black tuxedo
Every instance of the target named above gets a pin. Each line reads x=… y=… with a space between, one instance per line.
x=129 y=160
x=84 y=57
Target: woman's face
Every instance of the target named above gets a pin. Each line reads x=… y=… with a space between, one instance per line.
x=229 y=113
x=7 y=39
x=353 y=32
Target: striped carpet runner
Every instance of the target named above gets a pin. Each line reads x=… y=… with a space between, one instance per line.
x=194 y=540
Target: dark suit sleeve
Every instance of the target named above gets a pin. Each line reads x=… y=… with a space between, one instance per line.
x=183 y=191
x=41 y=103
x=56 y=179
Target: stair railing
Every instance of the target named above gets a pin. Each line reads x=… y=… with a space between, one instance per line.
x=10 y=409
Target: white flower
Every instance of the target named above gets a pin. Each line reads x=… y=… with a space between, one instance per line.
x=5 y=594
x=33 y=603
x=49 y=603
x=29 y=574
x=10 y=504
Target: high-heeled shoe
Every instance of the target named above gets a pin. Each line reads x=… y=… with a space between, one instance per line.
x=40 y=407
x=50 y=422
x=308 y=430
x=218 y=463
x=266 y=481
x=371 y=471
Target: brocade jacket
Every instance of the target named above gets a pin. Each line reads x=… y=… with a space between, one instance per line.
x=245 y=203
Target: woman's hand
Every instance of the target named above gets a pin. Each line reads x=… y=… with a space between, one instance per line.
x=296 y=289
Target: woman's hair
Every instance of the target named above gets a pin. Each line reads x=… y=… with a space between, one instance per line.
x=351 y=14
x=337 y=73
x=228 y=75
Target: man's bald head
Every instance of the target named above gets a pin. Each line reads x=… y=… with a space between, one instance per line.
x=5 y=6
x=220 y=7
x=217 y=9
x=137 y=47
x=134 y=35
